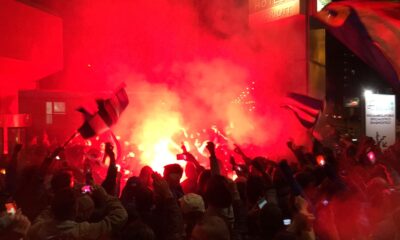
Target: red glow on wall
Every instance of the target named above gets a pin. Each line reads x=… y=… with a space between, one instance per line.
x=31 y=48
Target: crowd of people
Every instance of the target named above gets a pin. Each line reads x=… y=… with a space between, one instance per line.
x=350 y=192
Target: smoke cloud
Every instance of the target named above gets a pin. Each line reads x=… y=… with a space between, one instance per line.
x=189 y=65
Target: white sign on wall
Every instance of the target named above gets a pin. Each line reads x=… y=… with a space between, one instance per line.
x=263 y=11
x=380 y=118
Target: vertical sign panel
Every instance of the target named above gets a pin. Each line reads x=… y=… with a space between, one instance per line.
x=380 y=118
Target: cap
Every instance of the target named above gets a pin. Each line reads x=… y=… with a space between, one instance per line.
x=192 y=202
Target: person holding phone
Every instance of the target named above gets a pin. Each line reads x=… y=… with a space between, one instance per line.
x=192 y=170
x=60 y=220
x=13 y=224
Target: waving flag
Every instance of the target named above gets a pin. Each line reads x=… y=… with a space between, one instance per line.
x=370 y=29
x=109 y=111
x=306 y=109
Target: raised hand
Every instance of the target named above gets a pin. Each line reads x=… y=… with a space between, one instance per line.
x=190 y=157
x=21 y=223
x=183 y=147
x=109 y=149
x=211 y=147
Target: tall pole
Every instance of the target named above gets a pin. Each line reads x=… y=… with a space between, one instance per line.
x=307 y=48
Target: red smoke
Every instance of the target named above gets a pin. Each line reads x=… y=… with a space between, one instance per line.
x=188 y=65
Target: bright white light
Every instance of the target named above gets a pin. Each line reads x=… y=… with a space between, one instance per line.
x=131 y=154
x=368 y=92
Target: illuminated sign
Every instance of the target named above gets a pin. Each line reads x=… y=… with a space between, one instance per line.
x=262 y=11
x=380 y=118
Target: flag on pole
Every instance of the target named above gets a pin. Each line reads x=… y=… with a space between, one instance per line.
x=109 y=111
x=305 y=108
x=370 y=29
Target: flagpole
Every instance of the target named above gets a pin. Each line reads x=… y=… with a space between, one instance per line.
x=74 y=135
x=59 y=149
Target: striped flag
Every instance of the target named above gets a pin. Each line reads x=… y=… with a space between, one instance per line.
x=305 y=108
x=370 y=29
x=109 y=111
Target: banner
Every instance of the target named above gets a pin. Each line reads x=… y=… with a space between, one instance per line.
x=306 y=109
x=371 y=30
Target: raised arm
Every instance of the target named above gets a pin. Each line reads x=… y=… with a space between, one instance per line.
x=245 y=158
x=192 y=159
x=109 y=183
x=301 y=159
x=44 y=167
x=215 y=169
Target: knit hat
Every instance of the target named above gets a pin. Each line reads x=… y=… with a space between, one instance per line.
x=192 y=202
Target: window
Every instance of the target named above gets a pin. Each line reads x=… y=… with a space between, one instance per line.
x=53 y=108
x=59 y=107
